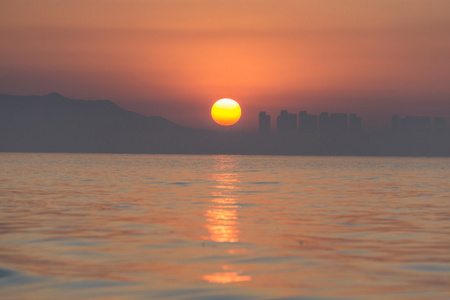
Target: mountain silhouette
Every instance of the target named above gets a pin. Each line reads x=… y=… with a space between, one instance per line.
x=54 y=123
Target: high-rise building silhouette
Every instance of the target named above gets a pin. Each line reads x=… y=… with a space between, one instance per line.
x=286 y=122
x=339 y=122
x=395 y=123
x=324 y=123
x=264 y=123
x=354 y=123
x=307 y=123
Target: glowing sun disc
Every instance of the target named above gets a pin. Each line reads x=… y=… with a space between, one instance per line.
x=226 y=112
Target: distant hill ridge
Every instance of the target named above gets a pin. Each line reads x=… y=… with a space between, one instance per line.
x=54 y=102
x=54 y=123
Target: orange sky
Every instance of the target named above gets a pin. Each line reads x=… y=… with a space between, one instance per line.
x=174 y=58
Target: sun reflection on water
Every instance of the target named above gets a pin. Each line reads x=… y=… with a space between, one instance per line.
x=226 y=277
x=222 y=215
x=222 y=225
x=222 y=220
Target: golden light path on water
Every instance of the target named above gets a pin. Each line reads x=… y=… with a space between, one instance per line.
x=222 y=218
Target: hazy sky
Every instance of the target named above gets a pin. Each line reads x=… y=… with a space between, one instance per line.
x=174 y=58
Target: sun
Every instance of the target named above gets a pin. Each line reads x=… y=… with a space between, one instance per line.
x=226 y=112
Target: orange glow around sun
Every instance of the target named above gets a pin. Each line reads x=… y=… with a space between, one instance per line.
x=226 y=112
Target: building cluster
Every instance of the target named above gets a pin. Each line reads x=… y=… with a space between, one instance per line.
x=417 y=124
x=342 y=123
x=335 y=123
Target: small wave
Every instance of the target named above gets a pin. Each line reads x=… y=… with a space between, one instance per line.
x=267 y=259
x=249 y=171
x=6 y=273
x=427 y=268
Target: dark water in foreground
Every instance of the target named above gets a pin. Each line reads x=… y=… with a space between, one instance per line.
x=103 y=226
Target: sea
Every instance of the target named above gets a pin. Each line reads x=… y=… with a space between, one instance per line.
x=119 y=226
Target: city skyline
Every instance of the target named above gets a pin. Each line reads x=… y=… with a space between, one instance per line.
x=338 y=123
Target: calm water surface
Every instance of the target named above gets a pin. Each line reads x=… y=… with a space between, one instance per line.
x=84 y=226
